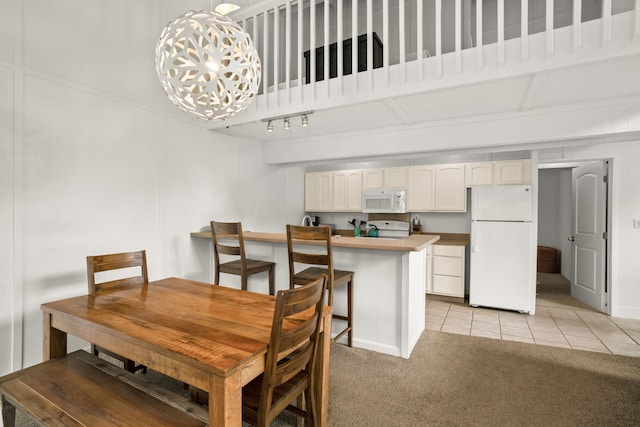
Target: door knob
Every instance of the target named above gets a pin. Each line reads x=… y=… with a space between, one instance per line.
x=571 y=239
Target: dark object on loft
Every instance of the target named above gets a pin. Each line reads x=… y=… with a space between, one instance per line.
x=346 y=58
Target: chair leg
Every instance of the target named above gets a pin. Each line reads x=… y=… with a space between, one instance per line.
x=8 y=413
x=350 y=312
x=243 y=280
x=272 y=280
x=216 y=277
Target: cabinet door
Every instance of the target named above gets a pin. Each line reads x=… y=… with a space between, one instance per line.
x=394 y=177
x=421 y=183
x=512 y=172
x=317 y=191
x=372 y=179
x=480 y=173
x=451 y=192
x=347 y=191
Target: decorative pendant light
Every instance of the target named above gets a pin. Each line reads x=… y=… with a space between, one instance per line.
x=208 y=65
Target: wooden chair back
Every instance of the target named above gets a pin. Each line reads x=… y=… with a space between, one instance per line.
x=291 y=351
x=299 y=241
x=231 y=233
x=100 y=263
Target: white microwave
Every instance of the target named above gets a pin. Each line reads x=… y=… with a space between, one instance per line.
x=384 y=201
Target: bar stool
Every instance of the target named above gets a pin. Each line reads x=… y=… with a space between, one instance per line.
x=319 y=237
x=242 y=267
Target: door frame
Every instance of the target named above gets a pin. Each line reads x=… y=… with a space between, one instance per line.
x=561 y=164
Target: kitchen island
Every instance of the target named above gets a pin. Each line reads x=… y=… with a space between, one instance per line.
x=388 y=289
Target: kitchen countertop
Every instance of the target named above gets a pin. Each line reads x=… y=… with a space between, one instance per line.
x=414 y=242
x=452 y=239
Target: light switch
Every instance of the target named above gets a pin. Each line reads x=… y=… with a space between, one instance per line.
x=636 y=223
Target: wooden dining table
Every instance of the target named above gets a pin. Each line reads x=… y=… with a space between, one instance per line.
x=212 y=337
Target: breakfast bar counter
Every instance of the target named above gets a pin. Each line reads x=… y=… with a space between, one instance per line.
x=388 y=290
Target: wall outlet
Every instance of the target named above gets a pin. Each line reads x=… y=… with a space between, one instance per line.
x=636 y=223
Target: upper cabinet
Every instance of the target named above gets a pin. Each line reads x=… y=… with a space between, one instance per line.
x=421 y=188
x=480 y=173
x=439 y=188
x=318 y=191
x=377 y=179
x=336 y=191
x=505 y=172
x=451 y=192
x=512 y=172
x=347 y=191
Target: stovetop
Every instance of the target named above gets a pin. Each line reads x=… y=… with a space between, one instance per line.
x=390 y=228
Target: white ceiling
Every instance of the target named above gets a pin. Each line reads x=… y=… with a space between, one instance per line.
x=587 y=83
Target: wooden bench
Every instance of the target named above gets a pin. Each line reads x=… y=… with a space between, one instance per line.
x=80 y=389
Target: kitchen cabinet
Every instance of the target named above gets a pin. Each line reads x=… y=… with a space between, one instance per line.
x=512 y=172
x=318 y=191
x=421 y=188
x=347 y=191
x=445 y=270
x=437 y=188
x=479 y=173
x=377 y=179
x=451 y=192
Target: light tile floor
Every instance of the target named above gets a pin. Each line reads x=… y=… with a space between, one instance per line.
x=567 y=327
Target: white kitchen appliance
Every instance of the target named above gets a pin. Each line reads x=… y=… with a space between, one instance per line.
x=389 y=229
x=502 y=243
x=384 y=201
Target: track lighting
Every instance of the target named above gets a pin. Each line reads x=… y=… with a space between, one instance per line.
x=304 y=120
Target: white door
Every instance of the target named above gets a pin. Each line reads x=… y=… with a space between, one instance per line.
x=588 y=225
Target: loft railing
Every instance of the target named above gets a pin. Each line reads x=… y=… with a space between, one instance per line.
x=405 y=46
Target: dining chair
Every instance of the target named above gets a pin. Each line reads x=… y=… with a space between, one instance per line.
x=299 y=241
x=290 y=359
x=111 y=262
x=230 y=233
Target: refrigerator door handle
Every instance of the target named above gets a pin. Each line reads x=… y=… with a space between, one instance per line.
x=474 y=241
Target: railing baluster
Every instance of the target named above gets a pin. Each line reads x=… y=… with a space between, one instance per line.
x=354 y=41
x=458 y=35
x=401 y=42
x=500 y=30
x=327 y=48
x=369 y=39
x=419 y=42
x=524 y=30
x=606 y=20
x=438 y=28
x=276 y=54
x=549 y=28
x=265 y=56
x=479 y=46
x=287 y=51
x=636 y=26
x=385 y=37
x=301 y=49
x=340 y=38
x=577 y=24
x=312 y=45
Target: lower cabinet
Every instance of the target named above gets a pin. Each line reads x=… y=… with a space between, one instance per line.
x=445 y=270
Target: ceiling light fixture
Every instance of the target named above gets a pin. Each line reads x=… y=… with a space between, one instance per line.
x=207 y=65
x=304 y=116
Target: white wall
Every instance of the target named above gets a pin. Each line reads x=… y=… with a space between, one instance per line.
x=94 y=159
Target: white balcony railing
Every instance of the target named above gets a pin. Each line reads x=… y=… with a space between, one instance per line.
x=406 y=46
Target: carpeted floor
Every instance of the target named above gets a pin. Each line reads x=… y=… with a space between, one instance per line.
x=454 y=380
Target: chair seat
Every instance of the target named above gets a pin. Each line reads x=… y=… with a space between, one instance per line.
x=253 y=266
x=308 y=275
x=251 y=396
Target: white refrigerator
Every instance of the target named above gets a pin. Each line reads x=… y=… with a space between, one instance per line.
x=502 y=239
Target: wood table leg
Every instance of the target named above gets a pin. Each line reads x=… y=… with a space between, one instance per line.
x=8 y=413
x=321 y=374
x=225 y=400
x=54 y=340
